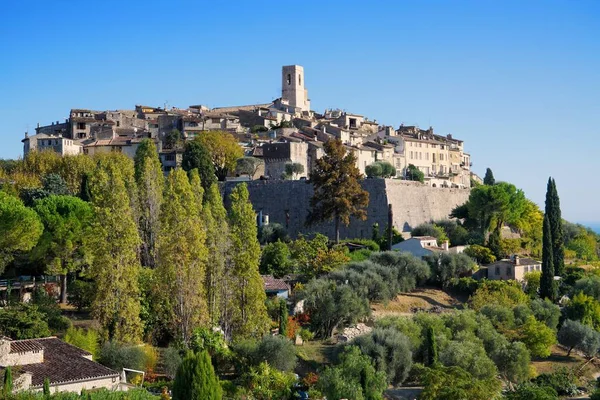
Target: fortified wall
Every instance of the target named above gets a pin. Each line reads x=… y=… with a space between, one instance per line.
x=287 y=203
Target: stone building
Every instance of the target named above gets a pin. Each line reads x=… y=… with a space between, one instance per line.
x=276 y=155
x=68 y=368
x=294 y=96
x=514 y=268
x=59 y=144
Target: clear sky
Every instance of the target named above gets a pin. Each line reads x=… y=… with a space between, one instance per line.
x=518 y=81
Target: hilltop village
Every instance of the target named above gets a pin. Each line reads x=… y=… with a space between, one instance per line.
x=284 y=131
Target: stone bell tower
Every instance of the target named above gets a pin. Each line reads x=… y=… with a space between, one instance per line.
x=293 y=91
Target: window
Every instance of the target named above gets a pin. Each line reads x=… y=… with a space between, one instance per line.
x=170 y=157
x=118 y=123
x=81 y=135
x=508 y=270
x=497 y=270
x=300 y=80
x=352 y=122
x=420 y=156
x=215 y=120
x=411 y=155
x=81 y=125
x=289 y=79
x=427 y=156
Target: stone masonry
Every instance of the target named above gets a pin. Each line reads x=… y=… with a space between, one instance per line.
x=288 y=202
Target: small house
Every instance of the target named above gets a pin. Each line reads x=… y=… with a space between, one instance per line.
x=276 y=287
x=512 y=268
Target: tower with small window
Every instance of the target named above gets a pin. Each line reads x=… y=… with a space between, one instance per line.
x=293 y=92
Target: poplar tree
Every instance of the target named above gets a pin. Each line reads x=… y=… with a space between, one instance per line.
x=182 y=257
x=7 y=386
x=217 y=243
x=431 y=354
x=547 y=284
x=337 y=191
x=196 y=379
x=114 y=243
x=247 y=312
x=149 y=180
x=556 y=228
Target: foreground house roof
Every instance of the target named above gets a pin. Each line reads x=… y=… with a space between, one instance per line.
x=62 y=362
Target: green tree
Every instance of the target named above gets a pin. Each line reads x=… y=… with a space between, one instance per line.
x=66 y=220
x=223 y=149
x=217 y=243
x=173 y=139
x=374 y=170
x=46 y=389
x=390 y=352
x=548 y=287
x=247 y=314
x=292 y=170
x=488 y=179
x=431 y=351
x=481 y=254
x=23 y=321
x=331 y=306
x=585 y=309
x=197 y=156
x=502 y=293
x=470 y=356
x=447 y=267
x=337 y=191
x=537 y=337
x=451 y=383
x=248 y=166
x=414 y=174
x=150 y=183
x=532 y=282
x=114 y=242
x=575 y=335
x=20 y=228
x=353 y=378
x=276 y=259
x=556 y=228
x=182 y=257
x=430 y=230
x=196 y=379
x=283 y=317
x=530 y=391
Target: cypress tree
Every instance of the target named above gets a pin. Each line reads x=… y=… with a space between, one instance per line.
x=283 y=317
x=488 y=179
x=547 y=284
x=46 y=389
x=431 y=354
x=556 y=228
x=196 y=379
x=8 y=381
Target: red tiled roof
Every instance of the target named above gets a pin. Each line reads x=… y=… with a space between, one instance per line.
x=272 y=283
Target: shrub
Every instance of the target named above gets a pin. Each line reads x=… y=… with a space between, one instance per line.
x=196 y=379
x=563 y=380
x=306 y=335
x=481 y=254
x=171 y=361
x=84 y=339
x=118 y=356
x=537 y=337
x=546 y=311
x=277 y=351
x=470 y=356
x=446 y=267
x=23 y=321
x=466 y=285
x=530 y=391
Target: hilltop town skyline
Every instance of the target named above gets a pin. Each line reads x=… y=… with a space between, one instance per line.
x=462 y=85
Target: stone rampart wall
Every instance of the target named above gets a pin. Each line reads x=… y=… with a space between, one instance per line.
x=288 y=202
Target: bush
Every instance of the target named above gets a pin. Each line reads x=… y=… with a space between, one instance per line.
x=23 y=321
x=171 y=361
x=562 y=380
x=196 y=379
x=430 y=230
x=446 y=267
x=456 y=233
x=118 y=356
x=530 y=391
x=84 y=339
x=370 y=244
x=481 y=254
x=466 y=285
x=277 y=351
x=546 y=311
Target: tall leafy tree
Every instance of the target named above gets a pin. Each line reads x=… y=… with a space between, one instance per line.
x=224 y=151
x=196 y=379
x=182 y=256
x=246 y=311
x=337 y=191
x=556 y=228
x=217 y=243
x=150 y=182
x=548 y=287
x=20 y=228
x=488 y=179
x=283 y=317
x=197 y=156
x=114 y=243
x=66 y=220
x=431 y=351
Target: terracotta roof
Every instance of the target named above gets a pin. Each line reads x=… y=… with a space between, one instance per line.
x=274 y=283
x=62 y=363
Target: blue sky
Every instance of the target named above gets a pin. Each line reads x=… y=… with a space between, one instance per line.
x=518 y=81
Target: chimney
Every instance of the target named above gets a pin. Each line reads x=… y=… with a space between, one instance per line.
x=446 y=245
x=517 y=260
